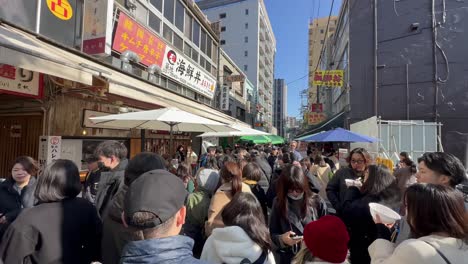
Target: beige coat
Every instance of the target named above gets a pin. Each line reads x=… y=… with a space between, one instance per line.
x=218 y=201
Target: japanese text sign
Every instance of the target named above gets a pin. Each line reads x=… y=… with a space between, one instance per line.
x=317 y=108
x=329 y=78
x=130 y=35
x=176 y=66
x=314 y=118
x=224 y=98
x=97 y=27
x=18 y=81
x=50 y=149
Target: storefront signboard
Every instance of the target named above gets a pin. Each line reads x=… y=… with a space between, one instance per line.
x=130 y=35
x=314 y=118
x=97 y=27
x=183 y=70
x=18 y=81
x=50 y=149
x=329 y=78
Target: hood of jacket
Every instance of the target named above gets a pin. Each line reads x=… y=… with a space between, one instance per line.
x=175 y=249
x=230 y=245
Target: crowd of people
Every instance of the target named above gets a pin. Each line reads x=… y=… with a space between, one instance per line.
x=256 y=204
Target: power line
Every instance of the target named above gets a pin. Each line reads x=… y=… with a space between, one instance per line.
x=324 y=37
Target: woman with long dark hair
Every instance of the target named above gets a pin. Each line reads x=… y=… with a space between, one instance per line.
x=379 y=187
x=180 y=154
x=61 y=228
x=231 y=179
x=439 y=227
x=17 y=191
x=184 y=172
x=293 y=208
x=245 y=237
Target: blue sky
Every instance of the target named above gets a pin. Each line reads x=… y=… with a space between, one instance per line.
x=290 y=19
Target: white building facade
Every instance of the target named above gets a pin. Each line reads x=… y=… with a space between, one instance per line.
x=247 y=36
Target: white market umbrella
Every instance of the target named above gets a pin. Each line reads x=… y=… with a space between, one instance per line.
x=239 y=131
x=168 y=119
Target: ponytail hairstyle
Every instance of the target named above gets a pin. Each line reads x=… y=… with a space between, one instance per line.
x=232 y=173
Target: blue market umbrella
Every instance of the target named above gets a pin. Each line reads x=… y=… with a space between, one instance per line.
x=339 y=135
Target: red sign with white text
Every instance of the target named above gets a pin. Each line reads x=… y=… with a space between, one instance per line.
x=130 y=35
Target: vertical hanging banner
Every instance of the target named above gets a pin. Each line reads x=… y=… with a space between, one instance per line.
x=97 y=27
x=50 y=149
x=224 y=98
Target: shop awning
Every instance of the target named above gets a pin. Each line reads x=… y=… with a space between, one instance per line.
x=335 y=121
x=20 y=49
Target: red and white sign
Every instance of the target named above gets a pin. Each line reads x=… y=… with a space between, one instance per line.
x=50 y=149
x=18 y=81
x=318 y=108
x=97 y=27
x=183 y=70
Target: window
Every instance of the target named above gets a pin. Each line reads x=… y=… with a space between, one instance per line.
x=167 y=33
x=157 y=4
x=222 y=15
x=194 y=55
x=187 y=50
x=203 y=41
x=154 y=22
x=178 y=42
x=196 y=33
x=246 y=12
x=141 y=13
x=321 y=31
x=179 y=16
x=246 y=25
x=246 y=39
x=169 y=10
x=202 y=61
x=245 y=68
x=222 y=42
x=321 y=41
x=246 y=53
x=208 y=47
x=223 y=29
x=188 y=26
x=208 y=66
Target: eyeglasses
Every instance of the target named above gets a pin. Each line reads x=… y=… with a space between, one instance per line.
x=360 y=162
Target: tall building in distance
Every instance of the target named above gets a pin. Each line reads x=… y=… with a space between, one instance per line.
x=317 y=38
x=280 y=94
x=247 y=37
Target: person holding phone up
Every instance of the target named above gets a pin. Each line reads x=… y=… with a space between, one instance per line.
x=293 y=208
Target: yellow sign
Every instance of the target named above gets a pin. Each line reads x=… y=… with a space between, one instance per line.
x=329 y=78
x=314 y=118
x=60 y=8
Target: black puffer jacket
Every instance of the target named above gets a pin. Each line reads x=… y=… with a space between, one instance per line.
x=11 y=202
x=361 y=226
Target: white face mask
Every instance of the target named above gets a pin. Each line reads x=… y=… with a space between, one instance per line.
x=296 y=198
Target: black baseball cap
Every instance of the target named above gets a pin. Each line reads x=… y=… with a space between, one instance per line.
x=159 y=192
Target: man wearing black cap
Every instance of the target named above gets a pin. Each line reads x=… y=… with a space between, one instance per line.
x=90 y=186
x=155 y=204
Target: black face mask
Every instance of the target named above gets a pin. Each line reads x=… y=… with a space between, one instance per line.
x=102 y=167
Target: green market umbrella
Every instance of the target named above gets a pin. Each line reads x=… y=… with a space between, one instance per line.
x=260 y=139
x=275 y=140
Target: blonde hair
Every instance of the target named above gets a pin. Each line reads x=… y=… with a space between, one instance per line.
x=303 y=255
